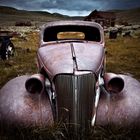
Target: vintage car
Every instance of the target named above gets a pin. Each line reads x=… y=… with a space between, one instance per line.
x=71 y=85
x=6 y=46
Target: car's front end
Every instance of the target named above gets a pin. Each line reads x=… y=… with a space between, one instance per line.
x=73 y=67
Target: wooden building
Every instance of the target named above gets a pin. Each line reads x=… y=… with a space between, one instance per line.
x=106 y=19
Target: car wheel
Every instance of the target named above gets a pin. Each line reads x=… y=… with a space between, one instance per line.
x=8 y=52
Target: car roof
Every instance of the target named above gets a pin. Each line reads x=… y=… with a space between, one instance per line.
x=75 y=23
x=72 y=22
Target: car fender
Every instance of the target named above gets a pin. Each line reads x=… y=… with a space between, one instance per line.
x=19 y=107
x=121 y=109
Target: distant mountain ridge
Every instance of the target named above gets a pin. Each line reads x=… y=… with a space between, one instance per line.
x=9 y=15
x=11 y=11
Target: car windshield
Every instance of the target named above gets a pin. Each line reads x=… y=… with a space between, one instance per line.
x=65 y=32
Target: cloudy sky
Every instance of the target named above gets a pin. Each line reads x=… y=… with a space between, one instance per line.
x=71 y=7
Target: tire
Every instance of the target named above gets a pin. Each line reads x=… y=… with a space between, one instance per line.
x=7 y=51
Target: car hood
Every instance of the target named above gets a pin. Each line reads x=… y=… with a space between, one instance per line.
x=68 y=57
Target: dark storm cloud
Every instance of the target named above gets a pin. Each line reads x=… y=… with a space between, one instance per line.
x=71 y=5
x=59 y=4
x=124 y=4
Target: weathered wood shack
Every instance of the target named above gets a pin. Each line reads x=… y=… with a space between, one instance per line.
x=102 y=17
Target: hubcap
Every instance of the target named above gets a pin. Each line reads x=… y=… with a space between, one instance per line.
x=9 y=51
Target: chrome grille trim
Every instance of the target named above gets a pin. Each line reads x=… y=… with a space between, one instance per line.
x=75 y=99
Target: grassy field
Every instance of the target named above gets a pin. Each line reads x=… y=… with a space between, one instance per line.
x=24 y=56
x=123 y=56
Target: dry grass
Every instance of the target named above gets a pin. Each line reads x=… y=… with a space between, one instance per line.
x=24 y=61
x=123 y=56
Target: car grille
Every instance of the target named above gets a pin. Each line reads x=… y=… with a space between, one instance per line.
x=75 y=99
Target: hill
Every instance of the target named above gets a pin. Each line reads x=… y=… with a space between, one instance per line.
x=130 y=15
x=9 y=16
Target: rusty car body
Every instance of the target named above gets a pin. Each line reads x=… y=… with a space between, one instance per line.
x=71 y=85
